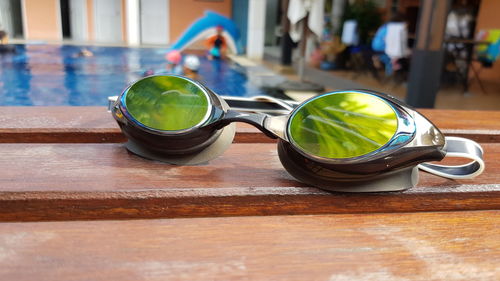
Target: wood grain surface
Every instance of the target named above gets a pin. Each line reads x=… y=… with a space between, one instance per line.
x=228 y=219
x=408 y=246
x=104 y=181
x=95 y=125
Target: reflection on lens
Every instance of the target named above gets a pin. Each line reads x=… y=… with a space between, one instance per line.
x=166 y=103
x=342 y=125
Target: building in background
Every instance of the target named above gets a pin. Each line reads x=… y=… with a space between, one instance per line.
x=161 y=22
x=131 y=22
x=126 y=22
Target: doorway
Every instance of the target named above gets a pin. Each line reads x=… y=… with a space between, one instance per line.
x=11 y=18
x=108 y=21
x=154 y=21
x=78 y=20
x=65 y=19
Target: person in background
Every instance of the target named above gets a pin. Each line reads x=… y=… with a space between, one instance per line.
x=174 y=58
x=3 y=36
x=216 y=44
x=174 y=66
x=396 y=44
x=191 y=66
x=4 y=47
x=84 y=52
x=378 y=47
x=390 y=44
x=148 y=72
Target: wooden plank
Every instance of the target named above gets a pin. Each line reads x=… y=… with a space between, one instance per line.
x=412 y=246
x=95 y=125
x=481 y=126
x=104 y=181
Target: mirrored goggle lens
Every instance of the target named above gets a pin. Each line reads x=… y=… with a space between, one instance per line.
x=342 y=125
x=167 y=103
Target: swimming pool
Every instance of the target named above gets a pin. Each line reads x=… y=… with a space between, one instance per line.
x=51 y=75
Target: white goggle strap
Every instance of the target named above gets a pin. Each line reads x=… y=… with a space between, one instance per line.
x=463 y=148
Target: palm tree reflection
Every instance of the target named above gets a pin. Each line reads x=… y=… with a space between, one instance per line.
x=343 y=125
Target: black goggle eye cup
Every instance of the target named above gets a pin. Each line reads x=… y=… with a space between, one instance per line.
x=173 y=119
x=366 y=141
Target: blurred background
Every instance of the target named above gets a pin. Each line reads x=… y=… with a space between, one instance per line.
x=431 y=53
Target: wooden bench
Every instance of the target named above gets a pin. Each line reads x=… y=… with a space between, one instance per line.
x=239 y=217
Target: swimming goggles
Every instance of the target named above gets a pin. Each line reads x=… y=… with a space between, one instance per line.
x=353 y=140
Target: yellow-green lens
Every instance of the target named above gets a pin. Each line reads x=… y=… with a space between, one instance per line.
x=343 y=125
x=167 y=103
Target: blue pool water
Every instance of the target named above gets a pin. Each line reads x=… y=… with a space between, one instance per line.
x=51 y=75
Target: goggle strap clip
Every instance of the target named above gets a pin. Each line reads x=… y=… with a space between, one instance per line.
x=463 y=148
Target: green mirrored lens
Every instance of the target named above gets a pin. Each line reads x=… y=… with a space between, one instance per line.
x=167 y=103
x=343 y=125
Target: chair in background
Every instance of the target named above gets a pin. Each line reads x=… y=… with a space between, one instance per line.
x=486 y=54
x=361 y=62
